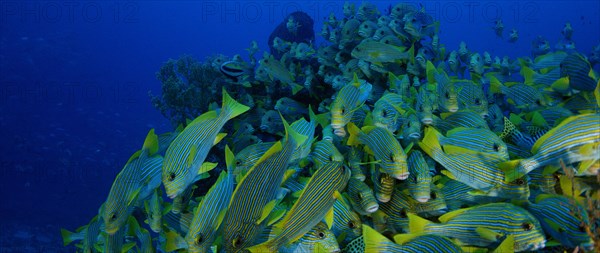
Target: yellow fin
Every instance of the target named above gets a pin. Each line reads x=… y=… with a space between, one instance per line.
x=538 y=120
x=191 y=156
x=448 y=216
x=561 y=84
x=229 y=159
x=354 y=132
x=430 y=141
x=151 y=142
x=231 y=106
x=206 y=167
x=260 y=248
x=220 y=218
x=416 y=224
x=404 y=238
x=373 y=239
x=329 y=218
x=527 y=74
x=174 y=241
x=275 y=216
x=296 y=88
x=134 y=156
x=597 y=93
x=507 y=245
x=487 y=234
x=205 y=116
x=220 y=137
x=266 y=211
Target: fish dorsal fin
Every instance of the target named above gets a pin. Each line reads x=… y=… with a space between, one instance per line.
x=431 y=71
x=329 y=218
x=219 y=137
x=151 y=142
x=205 y=116
x=134 y=156
x=229 y=159
x=416 y=224
x=206 y=167
x=552 y=132
x=404 y=238
x=355 y=81
x=448 y=216
x=267 y=210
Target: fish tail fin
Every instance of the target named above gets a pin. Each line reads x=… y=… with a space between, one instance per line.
x=512 y=170
x=374 y=241
x=232 y=107
x=431 y=143
x=296 y=88
x=354 y=133
x=495 y=85
x=174 y=242
x=260 y=248
x=417 y=224
x=229 y=159
x=291 y=133
x=151 y=142
x=67 y=236
x=528 y=74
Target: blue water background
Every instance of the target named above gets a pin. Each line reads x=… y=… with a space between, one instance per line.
x=75 y=78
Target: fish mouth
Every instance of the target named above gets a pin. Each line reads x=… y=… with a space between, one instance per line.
x=111 y=230
x=372 y=208
x=402 y=176
x=264 y=127
x=172 y=195
x=414 y=136
x=427 y=121
x=340 y=132
x=383 y=199
x=453 y=109
x=423 y=199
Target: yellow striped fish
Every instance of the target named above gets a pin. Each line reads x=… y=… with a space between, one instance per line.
x=477 y=170
x=135 y=182
x=257 y=194
x=183 y=164
x=349 y=99
x=384 y=146
x=314 y=204
x=325 y=152
x=211 y=210
x=361 y=197
x=484 y=225
x=346 y=223
x=575 y=139
x=407 y=243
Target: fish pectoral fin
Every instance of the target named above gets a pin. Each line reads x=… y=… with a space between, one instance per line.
x=329 y=218
x=206 y=167
x=275 y=216
x=267 y=210
x=220 y=217
x=174 y=242
x=220 y=137
x=133 y=196
x=488 y=234
x=191 y=156
x=507 y=245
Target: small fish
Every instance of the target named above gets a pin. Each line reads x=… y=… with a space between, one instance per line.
x=567 y=31
x=498 y=27
x=154 y=211
x=325 y=152
x=383 y=184
x=513 y=36
x=257 y=193
x=476 y=64
x=277 y=71
x=478 y=170
x=454 y=63
x=471 y=97
x=388 y=111
x=384 y=146
x=182 y=201
x=447 y=95
x=411 y=130
x=425 y=106
x=458 y=195
x=473 y=139
x=346 y=102
x=563 y=219
x=378 y=52
x=420 y=180
x=361 y=197
x=367 y=11
x=402 y=203
x=463 y=52
x=367 y=29
x=138 y=179
x=484 y=225
x=293 y=25
x=288 y=106
x=540 y=46
x=318 y=239
x=211 y=210
x=560 y=142
x=271 y=123
x=354 y=158
x=183 y=162
x=315 y=203
x=407 y=243
x=235 y=70
x=347 y=224
x=467 y=119
x=143 y=237
x=579 y=72
x=349 y=9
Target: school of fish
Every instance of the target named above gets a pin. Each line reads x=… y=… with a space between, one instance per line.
x=379 y=140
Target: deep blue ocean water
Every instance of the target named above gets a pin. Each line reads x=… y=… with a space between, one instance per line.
x=75 y=76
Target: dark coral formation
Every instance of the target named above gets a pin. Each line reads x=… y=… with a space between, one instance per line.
x=304 y=34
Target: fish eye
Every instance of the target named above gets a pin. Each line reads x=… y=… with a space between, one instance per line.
x=343 y=110
x=172 y=176
x=392 y=157
x=408 y=124
x=527 y=226
x=199 y=239
x=351 y=224
x=113 y=216
x=238 y=162
x=538 y=102
x=237 y=241
x=321 y=235
x=403 y=213
x=582 y=227
x=432 y=195
x=520 y=181
x=496 y=147
x=477 y=101
x=447 y=95
x=384 y=113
